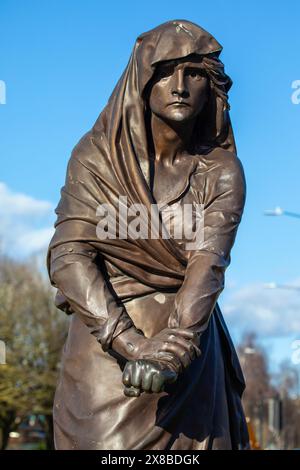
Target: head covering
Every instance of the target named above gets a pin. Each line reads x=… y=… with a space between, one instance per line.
x=169 y=41
x=113 y=158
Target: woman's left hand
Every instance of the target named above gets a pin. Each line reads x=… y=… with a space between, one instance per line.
x=143 y=375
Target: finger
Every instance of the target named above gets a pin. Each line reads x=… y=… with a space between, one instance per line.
x=157 y=382
x=184 y=332
x=188 y=346
x=136 y=374
x=193 y=341
x=170 y=376
x=198 y=351
x=179 y=352
x=132 y=392
x=184 y=358
x=127 y=374
x=192 y=336
x=147 y=380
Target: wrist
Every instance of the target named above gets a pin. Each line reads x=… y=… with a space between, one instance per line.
x=128 y=343
x=169 y=360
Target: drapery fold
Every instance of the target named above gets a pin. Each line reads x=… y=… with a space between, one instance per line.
x=110 y=284
x=112 y=160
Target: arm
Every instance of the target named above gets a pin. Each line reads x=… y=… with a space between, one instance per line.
x=224 y=201
x=74 y=270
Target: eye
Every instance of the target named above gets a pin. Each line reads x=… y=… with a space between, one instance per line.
x=196 y=74
x=165 y=72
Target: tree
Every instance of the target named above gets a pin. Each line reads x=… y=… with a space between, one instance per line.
x=254 y=363
x=287 y=382
x=33 y=331
x=255 y=367
x=261 y=386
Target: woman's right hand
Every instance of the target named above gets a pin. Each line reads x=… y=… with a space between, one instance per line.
x=177 y=345
x=179 y=342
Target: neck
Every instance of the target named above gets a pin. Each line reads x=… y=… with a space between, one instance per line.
x=169 y=139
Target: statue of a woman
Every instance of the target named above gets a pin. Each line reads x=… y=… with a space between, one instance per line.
x=144 y=312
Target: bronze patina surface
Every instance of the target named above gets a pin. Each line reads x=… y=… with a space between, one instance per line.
x=148 y=362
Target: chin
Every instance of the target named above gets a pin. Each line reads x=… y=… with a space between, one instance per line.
x=179 y=117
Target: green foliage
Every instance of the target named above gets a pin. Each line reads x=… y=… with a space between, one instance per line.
x=33 y=331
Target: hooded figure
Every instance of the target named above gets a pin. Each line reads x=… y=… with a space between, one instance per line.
x=126 y=287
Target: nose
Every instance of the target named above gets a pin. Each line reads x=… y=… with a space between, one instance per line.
x=179 y=84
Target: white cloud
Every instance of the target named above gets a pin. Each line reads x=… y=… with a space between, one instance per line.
x=26 y=223
x=268 y=312
x=35 y=240
x=20 y=204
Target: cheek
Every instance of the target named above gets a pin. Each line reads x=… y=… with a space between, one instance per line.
x=200 y=95
x=157 y=97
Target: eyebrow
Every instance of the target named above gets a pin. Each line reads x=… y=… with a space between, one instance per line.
x=190 y=65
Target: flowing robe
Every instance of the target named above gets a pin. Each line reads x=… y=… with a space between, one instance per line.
x=202 y=409
x=110 y=284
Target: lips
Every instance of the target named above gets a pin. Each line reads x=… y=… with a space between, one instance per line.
x=179 y=103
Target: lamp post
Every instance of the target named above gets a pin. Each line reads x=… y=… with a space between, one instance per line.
x=278 y=211
x=275 y=285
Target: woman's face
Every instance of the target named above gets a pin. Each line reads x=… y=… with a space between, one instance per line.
x=179 y=91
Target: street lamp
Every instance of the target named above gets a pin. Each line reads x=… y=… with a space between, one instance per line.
x=274 y=285
x=279 y=211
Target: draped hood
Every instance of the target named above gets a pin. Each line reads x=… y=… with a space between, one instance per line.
x=112 y=159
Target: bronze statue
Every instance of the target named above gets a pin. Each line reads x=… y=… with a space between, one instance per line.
x=148 y=362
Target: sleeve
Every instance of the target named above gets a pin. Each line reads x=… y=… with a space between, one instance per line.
x=224 y=199
x=83 y=290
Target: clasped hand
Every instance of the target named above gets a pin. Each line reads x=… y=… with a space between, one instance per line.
x=158 y=360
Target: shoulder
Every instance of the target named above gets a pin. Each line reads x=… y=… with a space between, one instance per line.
x=220 y=172
x=82 y=148
x=90 y=154
x=220 y=163
x=220 y=160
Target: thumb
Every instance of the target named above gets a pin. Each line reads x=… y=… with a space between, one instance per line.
x=170 y=376
x=131 y=391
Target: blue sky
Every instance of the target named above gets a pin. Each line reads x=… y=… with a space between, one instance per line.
x=60 y=61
